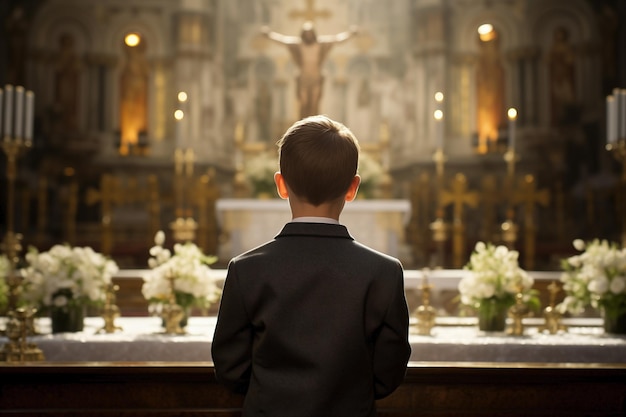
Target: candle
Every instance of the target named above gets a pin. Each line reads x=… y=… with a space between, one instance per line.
x=8 y=90
x=30 y=111
x=622 y=114
x=179 y=115
x=615 y=115
x=611 y=120
x=512 y=113
x=1 y=103
x=438 y=115
x=439 y=119
x=19 y=111
x=425 y=272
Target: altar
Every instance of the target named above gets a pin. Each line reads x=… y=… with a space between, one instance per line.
x=248 y=223
x=453 y=339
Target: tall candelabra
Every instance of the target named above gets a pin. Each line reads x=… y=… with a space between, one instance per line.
x=439 y=227
x=17 y=128
x=184 y=226
x=616 y=143
x=509 y=228
x=17 y=123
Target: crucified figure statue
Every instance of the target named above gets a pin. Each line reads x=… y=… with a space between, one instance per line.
x=309 y=51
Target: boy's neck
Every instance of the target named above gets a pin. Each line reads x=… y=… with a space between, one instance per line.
x=330 y=210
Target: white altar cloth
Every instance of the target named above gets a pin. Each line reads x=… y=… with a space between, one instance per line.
x=453 y=340
x=248 y=223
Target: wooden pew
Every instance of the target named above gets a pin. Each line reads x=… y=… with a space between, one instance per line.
x=430 y=389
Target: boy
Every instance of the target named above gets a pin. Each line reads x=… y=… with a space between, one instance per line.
x=313 y=323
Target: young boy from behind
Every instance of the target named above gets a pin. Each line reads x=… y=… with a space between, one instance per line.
x=313 y=323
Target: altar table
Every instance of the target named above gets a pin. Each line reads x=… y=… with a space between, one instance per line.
x=444 y=281
x=248 y=223
x=453 y=340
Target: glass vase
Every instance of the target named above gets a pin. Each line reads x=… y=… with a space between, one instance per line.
x=68 y=319
x=492 y=316
x=614 y=321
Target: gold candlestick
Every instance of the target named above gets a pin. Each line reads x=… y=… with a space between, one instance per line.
x=172 y=313
x=619 y=152
x=184 y=226
x=17 y=140
x=519 y=310
x=111 y=311
x=425 y=313
x=18 y=349
x=439 y=231
x=439 y=226
x=552 y=317
x=510 y=157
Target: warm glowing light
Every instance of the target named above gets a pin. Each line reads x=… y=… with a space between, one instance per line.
x=438 y=96
x=512 y=113
x=438 y=114
x=132 y=39
x=179 y=114
x=485 y=29
x=486 y=32
x=182 y=96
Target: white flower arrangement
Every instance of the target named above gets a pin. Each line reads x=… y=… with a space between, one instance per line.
x=66 y=275
x=194 y=281
x=371 y=173
x=5 y=266
x=596 y=277
x=494 y=274
x=259 y=171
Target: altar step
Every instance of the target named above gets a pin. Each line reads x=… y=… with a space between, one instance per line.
x=430 y=389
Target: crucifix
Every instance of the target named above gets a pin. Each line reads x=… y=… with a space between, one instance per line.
x=118 y=191
x=310 y=14
x=528 y=196
x=459 y=197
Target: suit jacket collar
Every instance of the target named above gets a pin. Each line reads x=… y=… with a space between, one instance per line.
x=315 y=229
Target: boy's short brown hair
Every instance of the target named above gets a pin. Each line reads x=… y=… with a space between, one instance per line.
x=319 y=157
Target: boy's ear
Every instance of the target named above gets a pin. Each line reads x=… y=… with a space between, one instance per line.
x=353 y=188
x=281 y=185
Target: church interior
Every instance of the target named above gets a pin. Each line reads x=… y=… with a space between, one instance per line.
x=109 y=163
x=499 y=121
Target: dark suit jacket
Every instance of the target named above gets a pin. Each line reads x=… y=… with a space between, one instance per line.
x=312 y=323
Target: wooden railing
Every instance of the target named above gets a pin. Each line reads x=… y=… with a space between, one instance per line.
x=430 y=389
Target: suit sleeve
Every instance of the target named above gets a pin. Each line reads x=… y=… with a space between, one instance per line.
x=391 y=347
x=231 y=348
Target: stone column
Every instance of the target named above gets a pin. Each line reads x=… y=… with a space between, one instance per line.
x=195 y=72
x=430 y=58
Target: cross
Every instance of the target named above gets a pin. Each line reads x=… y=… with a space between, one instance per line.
x=310 y=13
x=114 y=193
x=459 y=196
x=528 y=196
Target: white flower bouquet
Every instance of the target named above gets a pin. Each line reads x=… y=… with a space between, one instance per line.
x=65 y=276
x=596 y=278
x=259 y=172
x=371 y=173
x=494 y=273
x=493 y=279
x=193 y=280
